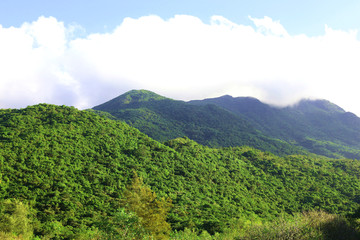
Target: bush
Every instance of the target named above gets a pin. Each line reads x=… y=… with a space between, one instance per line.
x=313 y=225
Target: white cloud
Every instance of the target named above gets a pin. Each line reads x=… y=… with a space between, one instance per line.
x=269 y=27
x=181 y=57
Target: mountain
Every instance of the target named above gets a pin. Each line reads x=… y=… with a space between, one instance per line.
x=317 y=125
x=70 y=169
x=164 y=119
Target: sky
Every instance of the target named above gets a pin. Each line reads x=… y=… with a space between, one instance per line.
x=83 y=53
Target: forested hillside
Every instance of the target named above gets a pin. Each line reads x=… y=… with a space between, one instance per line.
x=319 y=126
x=71 y=174
x=315 y=126
x=164 y=119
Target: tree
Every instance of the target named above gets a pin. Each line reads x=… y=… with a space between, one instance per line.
x=14 y=220
x=151 y=211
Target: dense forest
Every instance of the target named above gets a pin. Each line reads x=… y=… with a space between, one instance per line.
x=70 y=174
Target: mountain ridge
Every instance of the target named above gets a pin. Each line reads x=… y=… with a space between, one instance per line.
x=164 y=119
x=318 y=126
x=308 y=120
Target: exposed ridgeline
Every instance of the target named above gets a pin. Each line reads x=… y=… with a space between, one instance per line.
x=164 y=119
x=71 y=168
x=319 y=126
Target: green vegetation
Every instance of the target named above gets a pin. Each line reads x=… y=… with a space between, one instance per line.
x=318 y=126
x=151 y=212
x=14 y=220
x=70 y=174
x=313 y=225
x=164 y=119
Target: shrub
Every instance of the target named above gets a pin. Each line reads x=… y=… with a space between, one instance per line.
x=313 y=225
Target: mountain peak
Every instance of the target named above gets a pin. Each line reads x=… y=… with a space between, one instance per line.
x=307 y=105
x=131 y=97
x=139 y=96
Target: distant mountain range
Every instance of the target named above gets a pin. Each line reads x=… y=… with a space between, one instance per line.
x=315 y=126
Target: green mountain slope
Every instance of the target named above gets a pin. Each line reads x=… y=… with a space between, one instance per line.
x=71 y=167
x=317 y=125
x=164 y=119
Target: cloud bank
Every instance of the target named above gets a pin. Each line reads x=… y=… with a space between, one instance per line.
x=182 y=57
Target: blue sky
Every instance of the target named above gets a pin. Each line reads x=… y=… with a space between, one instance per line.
x=83 y=53
x=298 y=17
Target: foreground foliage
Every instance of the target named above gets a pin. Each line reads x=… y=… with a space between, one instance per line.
x=313 y=225
x=71 y=170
